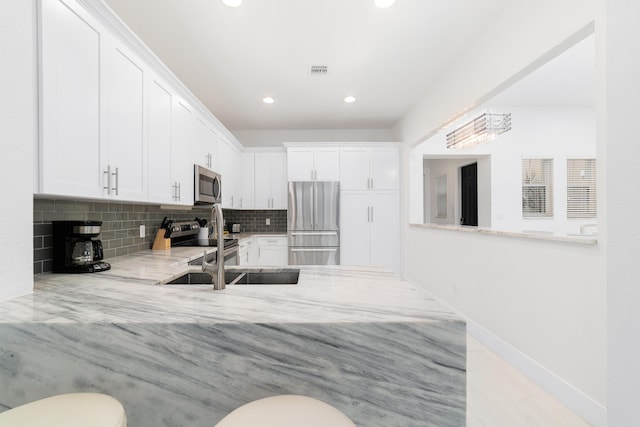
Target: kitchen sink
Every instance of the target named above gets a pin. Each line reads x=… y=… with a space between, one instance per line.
x=284 y=276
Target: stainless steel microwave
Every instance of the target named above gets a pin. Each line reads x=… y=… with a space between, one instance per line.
x=207 y=186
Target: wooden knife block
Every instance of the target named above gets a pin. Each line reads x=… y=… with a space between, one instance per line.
x=160 y=243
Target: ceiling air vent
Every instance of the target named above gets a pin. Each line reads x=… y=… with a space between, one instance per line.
x=319 y=70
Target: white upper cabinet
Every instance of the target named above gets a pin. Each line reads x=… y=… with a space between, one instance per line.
x=313 y=163
x=205 y=145
x=230 y=167
x=270 y=183
x=124 y=166
x=72 y=100
x=181 y=164
x=111 y=127
x=369 y=168
x=248 y=185
x=161 y=180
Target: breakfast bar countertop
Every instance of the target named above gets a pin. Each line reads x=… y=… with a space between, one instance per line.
x=130 y=292
x=378 y=348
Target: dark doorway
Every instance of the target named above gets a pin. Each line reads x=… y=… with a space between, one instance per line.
x=469 y=195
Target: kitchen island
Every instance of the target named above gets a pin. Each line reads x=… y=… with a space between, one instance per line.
x=379 y=349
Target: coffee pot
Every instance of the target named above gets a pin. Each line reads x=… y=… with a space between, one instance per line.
x=75 y=250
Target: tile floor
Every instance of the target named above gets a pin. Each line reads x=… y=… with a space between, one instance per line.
x=499 y=395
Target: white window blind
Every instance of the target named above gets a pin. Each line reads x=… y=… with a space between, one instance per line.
x=537 y=188
x=581 y=188
x=441 y=196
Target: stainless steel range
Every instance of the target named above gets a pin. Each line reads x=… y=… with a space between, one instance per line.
x=188 y=233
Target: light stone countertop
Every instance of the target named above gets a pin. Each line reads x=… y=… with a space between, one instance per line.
x=130 y=292
x=359 y=338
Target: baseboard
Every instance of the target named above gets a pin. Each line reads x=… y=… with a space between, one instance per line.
x=581 y=404
x=584 y=406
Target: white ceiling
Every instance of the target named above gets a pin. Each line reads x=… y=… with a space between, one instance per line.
x=232 y=58
x=566 y=80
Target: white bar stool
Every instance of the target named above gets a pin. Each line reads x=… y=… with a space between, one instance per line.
x=67 y=410
x=286 y=411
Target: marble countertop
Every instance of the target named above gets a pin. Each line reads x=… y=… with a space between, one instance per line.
x=583 y=239
x=130 y=292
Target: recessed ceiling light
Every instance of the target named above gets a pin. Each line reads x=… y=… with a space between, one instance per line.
x=384 y=3
x=350 y=99
x=268 y=100
x=232 y=3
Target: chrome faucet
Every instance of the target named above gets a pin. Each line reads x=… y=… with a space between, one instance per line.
x=217 y=269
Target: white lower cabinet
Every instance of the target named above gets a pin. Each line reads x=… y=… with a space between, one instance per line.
x=248 y=252
x=273 y=250
x=370 y=228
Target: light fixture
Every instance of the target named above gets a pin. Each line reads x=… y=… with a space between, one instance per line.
x=268 y=100
x=384 y=3
x=350 y=99
x=483 y=128
x=232 y=3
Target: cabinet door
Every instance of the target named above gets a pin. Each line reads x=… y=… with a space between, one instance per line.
x=327 y=164
x=354 y=227
x=300 y=164
x=204 y=144
x=278 y=175
x=385 y=168
x=181 y=165
x=125 y=141
x=262 y=182
x=272 y=255
x=385 y=230
x=247 y=180
x=354 y=168
x=72 y=100
x=160 y=102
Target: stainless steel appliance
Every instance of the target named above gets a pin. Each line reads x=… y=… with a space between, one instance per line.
x=186 y=233
x=313 y=223
x=75 y=250
x=207 y=186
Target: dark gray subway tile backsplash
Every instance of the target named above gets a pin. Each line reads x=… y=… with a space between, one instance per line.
x=121 y=224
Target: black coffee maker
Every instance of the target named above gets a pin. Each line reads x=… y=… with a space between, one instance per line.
x=74 y=250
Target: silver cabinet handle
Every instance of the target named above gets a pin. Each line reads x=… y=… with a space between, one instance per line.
x=231 y=200
x=179 y=191
x=313 y=249
x=371 y=213
x=240 y=201
x=116 y=180
x=314 y=233
x=108 y=187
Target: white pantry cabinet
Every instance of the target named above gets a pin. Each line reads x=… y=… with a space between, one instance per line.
x=270 y=182
x=370 y=228
x=72 y=99
x=313 y=163
x=369 y=168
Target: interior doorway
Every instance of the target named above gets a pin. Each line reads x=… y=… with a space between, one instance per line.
x=469 y=194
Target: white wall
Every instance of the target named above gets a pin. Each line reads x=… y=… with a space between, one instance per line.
x=544 y=300
x=619 y=57
x=17 y=139
x=275 y=138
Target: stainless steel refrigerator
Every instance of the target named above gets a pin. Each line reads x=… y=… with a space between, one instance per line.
x=313 y=223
